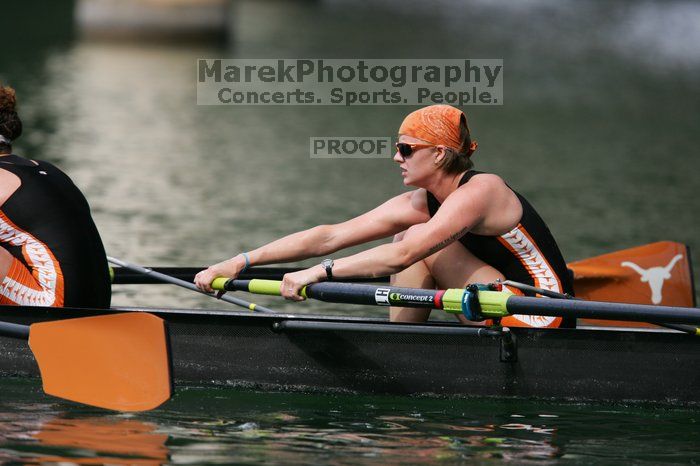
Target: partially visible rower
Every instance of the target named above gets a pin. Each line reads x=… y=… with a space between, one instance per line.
x=459 y=226
x=50 y=251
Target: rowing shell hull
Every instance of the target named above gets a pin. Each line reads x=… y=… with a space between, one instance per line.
x=244 y=350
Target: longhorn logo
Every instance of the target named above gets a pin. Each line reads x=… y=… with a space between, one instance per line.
x=654 y=276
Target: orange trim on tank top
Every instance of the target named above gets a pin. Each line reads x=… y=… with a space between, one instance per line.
x=21 y=273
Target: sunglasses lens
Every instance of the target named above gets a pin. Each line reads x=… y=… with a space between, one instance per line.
x=404 y=149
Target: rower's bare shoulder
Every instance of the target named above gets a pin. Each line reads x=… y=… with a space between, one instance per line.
x=487 y=181
x=9 y=183
x=483 y=186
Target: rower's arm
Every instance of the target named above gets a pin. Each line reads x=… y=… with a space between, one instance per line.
x=461 y=212
x=390 y=218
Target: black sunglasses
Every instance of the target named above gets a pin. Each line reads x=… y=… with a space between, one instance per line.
x=406 y=149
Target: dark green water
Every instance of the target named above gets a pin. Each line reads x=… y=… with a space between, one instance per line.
x=224 y=426
x=599 y=130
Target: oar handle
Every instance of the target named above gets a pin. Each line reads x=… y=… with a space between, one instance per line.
x=257 y=286
x=11 y=330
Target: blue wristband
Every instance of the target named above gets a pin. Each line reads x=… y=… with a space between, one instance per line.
x=247 y=261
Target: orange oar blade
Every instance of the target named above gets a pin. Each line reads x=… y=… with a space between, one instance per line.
x=656 y=273
x=118 y=362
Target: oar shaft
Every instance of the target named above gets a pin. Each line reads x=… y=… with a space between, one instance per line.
x=353 y=293
x=11 y=330
x=475 y=303
x=345 y=293
x=124 y=276
x=372 y=295
x=188 y=285
x=602 y=310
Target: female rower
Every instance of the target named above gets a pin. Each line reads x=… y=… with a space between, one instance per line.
x=460 y=226
x=50 y=251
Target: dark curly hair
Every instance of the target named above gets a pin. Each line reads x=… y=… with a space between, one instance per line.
x=10 y=124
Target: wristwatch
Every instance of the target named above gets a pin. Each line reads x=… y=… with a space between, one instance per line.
x=328 y=265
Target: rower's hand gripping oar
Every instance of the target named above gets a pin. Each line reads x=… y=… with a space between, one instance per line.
x=476 y=302
x=118 y=361
x=190 y=286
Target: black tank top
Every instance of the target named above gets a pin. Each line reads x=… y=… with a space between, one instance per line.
x=526 y=254
x=49 y=207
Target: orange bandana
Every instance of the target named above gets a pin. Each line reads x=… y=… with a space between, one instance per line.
x=436 y=124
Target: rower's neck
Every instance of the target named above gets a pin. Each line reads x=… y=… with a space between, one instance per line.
x=445 y=185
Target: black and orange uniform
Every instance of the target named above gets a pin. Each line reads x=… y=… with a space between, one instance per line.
x=59 y=259
x=526 y=254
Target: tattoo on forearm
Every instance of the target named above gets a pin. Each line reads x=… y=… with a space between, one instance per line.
x=447 y=241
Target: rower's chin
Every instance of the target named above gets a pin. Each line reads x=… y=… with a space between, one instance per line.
x=409 y=181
